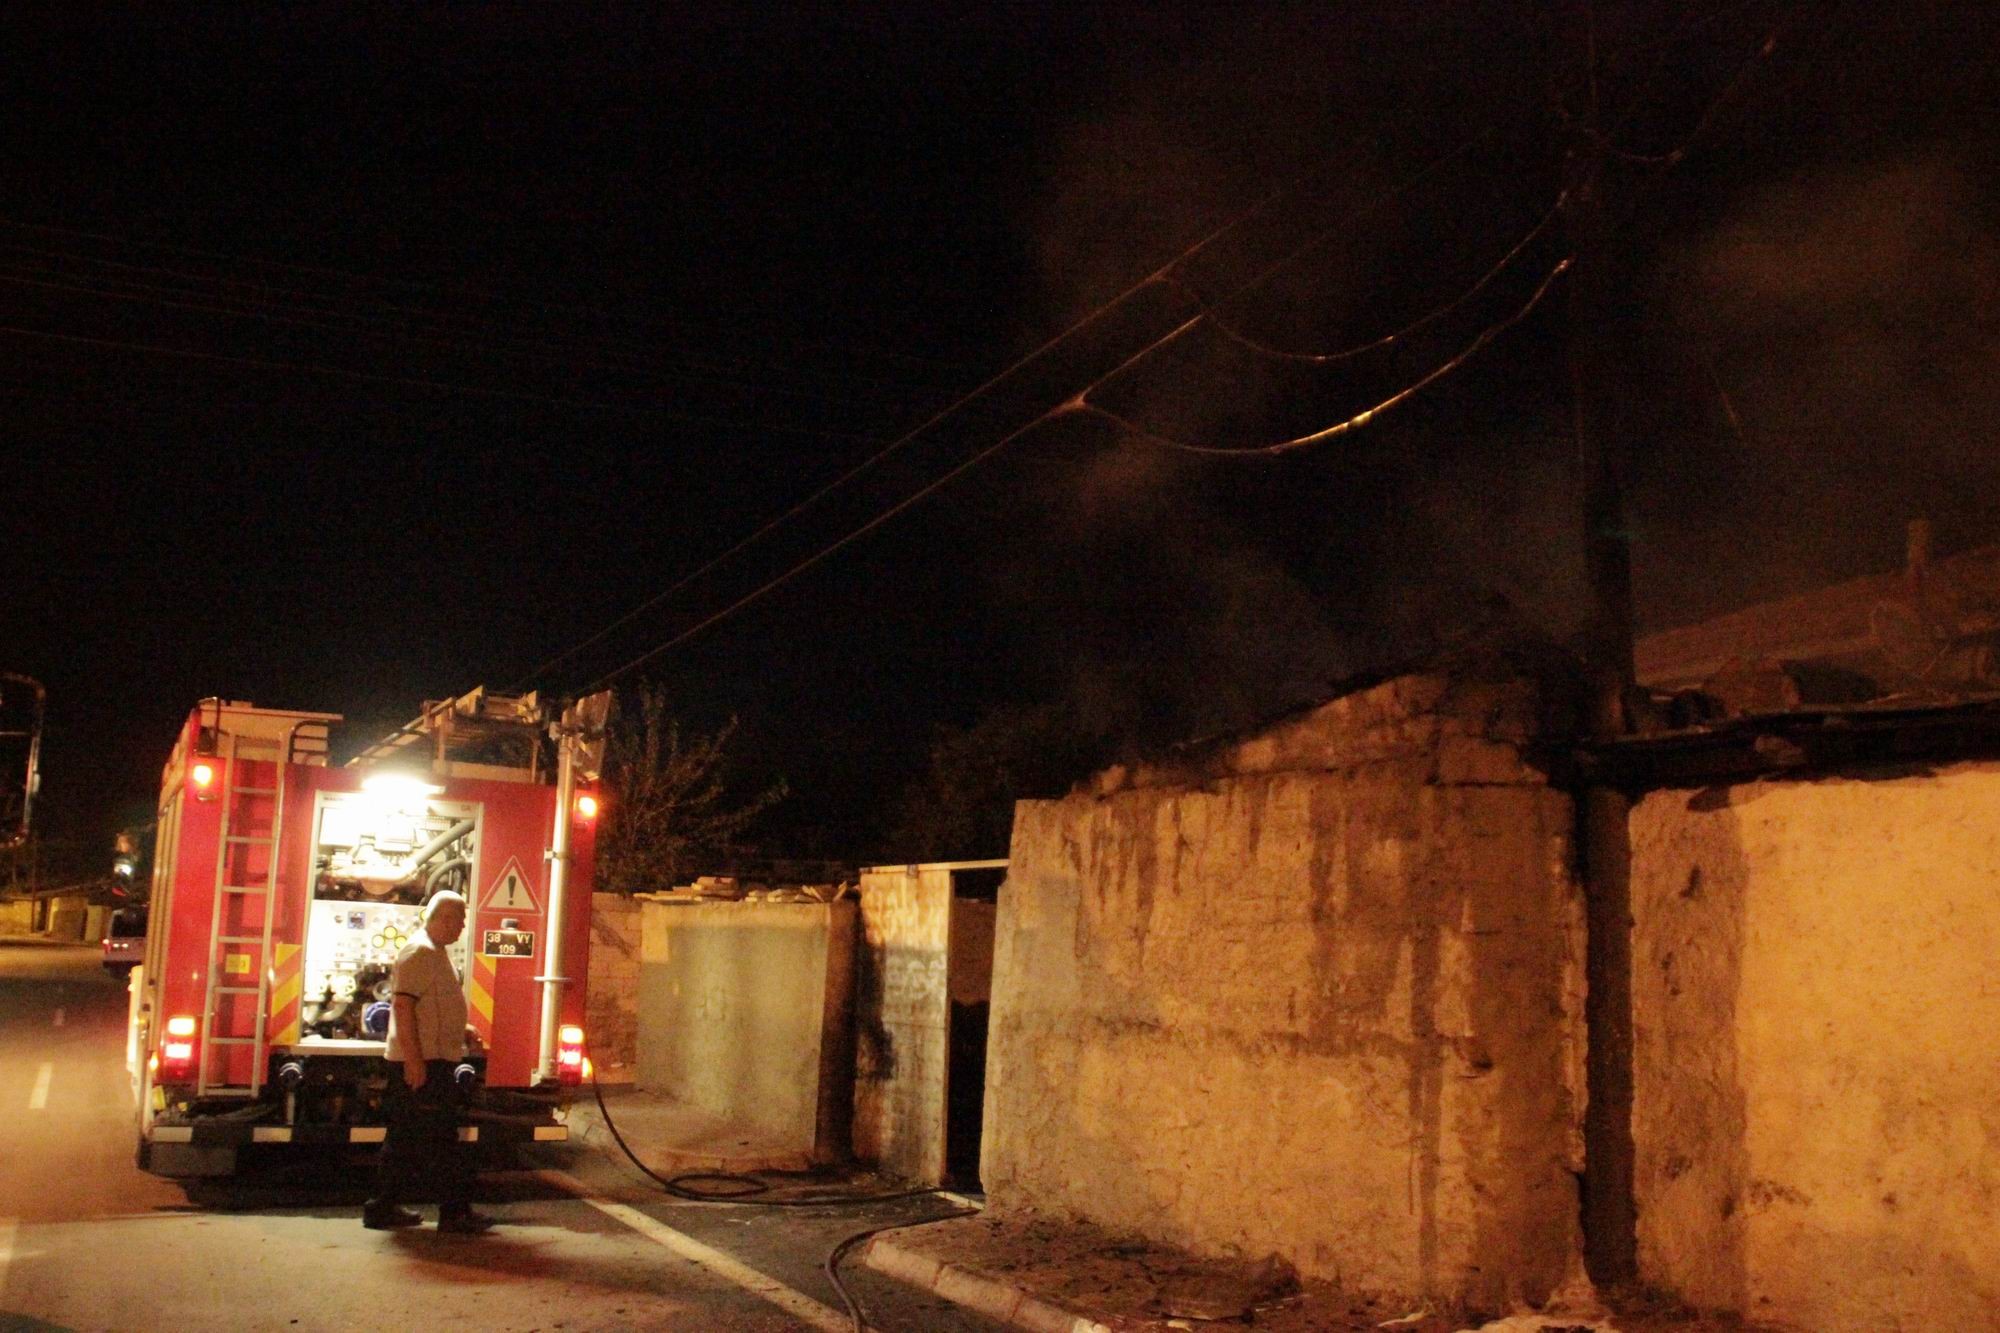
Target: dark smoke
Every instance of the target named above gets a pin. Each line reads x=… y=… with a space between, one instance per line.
x=1837 y=330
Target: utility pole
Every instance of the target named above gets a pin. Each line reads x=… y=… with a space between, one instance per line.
x=1610 y=1214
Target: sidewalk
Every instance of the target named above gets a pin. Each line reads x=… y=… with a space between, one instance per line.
x=673 y=1138
x=1044 y=1276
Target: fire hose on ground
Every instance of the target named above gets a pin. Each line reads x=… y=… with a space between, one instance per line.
x=743 y=1191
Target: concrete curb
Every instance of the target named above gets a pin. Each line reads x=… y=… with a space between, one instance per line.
x=1000 y=1301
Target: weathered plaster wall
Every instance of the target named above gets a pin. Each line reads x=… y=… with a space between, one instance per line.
x=1316 y=993
x=746 y=1011
x=903 y=1021
x=1816 y=997
x=611 y=1014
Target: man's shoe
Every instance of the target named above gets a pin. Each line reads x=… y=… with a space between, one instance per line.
x=467 y=1223
x=389 y=1219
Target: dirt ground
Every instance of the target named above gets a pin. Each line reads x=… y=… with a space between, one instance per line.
x=1131 y=1287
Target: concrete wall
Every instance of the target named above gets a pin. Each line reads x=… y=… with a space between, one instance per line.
x=923 y=951
x=17 y=917
x=1816 y=997
x=73 y=917
x=746 y=1012
x=903 y=1021
x=611 y=1016
x=1317 y=993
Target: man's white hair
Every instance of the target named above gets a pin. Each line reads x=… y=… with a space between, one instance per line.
x=441 y=899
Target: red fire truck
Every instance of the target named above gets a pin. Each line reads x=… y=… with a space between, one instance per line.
x=283 y=888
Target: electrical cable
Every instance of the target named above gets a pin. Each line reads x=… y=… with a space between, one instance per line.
x=293 y=306
x=1074 y=404
x=811 y=560
x=1674 y=156
x=1709 y=115
x=350 y=275
x=42 y=279
x=413 y=381
x=1314 y=241
x=365 y=325
x=1080 y=403
x=292 y=301
x=1235 y=334
x=1163 y=274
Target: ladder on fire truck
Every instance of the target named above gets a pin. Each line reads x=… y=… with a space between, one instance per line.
x=240 y=828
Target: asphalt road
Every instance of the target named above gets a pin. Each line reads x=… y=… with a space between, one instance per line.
x=87 y=1241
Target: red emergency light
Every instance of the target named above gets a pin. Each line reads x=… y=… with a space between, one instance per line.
x=176 y=1057
x=569 y=1055
x=586 y=806
x=202 y=775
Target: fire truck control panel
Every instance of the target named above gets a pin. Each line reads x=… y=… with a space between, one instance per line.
x=378 y=855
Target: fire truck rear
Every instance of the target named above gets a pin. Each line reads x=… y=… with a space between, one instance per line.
x=284 y=888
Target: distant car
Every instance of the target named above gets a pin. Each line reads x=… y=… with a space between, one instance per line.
x=125 y=939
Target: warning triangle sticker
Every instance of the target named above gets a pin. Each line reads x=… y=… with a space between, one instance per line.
x=510 y=892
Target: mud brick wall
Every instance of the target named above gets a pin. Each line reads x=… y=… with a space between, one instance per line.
x=1317 y=993
x=611 y=1015
x=1816 y=1001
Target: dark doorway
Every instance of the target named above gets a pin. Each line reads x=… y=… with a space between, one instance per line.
x=975 y=899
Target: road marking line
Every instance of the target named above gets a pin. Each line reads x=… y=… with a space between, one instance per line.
x=59 y=1017
x=794 y=1303
x=39 y=1098
x=6 y=1249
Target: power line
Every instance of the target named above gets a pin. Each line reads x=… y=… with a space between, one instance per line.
x=1074 y=404
x=823 y=553
x=296 y=299
x=412 y=381
x=240 y=312
x=641 y=359
x=1235 y=333
x=349 y=275
x=1317 y=238
x=1164 y=273
x=1081 y=404
x=1674 y=156
x=237 y=310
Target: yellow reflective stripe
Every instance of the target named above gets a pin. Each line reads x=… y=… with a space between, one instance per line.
x=290 y=980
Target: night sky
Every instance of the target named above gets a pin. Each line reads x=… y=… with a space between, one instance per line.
x=358 y=355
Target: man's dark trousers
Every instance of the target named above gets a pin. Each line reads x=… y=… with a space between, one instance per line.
x=423 y=1139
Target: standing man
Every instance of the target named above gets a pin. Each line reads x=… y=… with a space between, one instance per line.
x=426 y=1039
